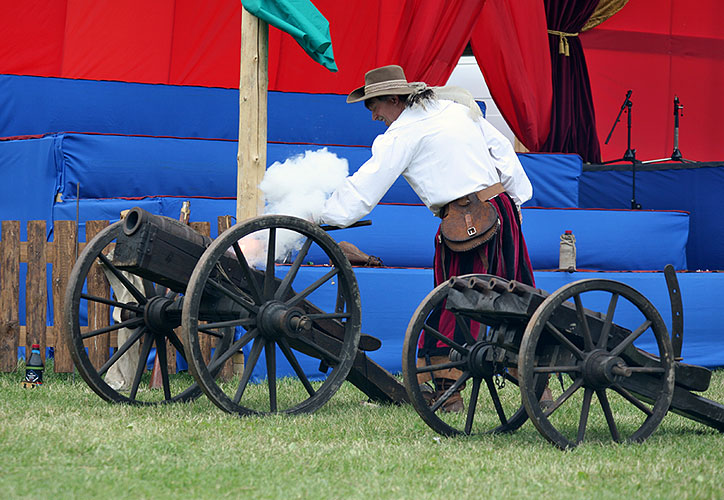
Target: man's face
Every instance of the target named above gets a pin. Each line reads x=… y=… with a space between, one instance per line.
x=386 y=110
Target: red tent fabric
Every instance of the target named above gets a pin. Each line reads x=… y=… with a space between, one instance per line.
x=510 y=43
x=186 y=42
x=657 y=48
x=425 y=38
x=660 y=49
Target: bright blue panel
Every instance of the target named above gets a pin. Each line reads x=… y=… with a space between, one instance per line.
x=152 y=166
x=37 y=105
x=403 y=236
x=694 y=189
x=554 y=178
x=114 y=166
x=28 y=173
x=320 y=119
x=146 y=166
x=608 y=239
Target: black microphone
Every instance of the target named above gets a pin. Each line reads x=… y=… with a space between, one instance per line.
x=626 y=101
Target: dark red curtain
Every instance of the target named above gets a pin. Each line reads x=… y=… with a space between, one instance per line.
x=573 y=121
x=509 y=42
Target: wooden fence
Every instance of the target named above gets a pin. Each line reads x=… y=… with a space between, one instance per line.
x=37 y=253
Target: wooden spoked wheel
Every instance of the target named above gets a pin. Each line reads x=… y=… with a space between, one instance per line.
x=256 y=279
x=112 y=320
x=584 y=337
x=487 y=383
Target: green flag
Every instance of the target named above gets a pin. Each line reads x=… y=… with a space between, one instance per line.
x=302 y=20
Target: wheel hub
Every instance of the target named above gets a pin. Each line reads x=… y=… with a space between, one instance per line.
x=601 y=369
x=480 y=360
x=276 y=320
x=157 y=316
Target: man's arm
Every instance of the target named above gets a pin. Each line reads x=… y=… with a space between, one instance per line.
x=512 y=176
x=362 y=191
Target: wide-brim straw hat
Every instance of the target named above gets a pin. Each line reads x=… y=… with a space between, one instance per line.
x=387 y=80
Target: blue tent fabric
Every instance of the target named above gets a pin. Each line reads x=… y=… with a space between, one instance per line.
x=554 y=178
x=202 y=209
x=195 y=167
x=675 y=186
x=608 y=239
x=29 y=178
x=31 y=105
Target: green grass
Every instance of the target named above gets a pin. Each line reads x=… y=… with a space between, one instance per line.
x=62 y=441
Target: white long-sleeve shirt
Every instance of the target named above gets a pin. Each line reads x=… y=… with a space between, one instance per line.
x=443 y=154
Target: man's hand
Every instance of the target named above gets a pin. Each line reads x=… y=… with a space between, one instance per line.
x=357 y=257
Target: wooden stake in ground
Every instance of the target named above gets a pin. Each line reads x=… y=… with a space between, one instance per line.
x=253 y=85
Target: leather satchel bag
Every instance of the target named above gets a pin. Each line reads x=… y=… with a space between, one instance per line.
x=468 y=222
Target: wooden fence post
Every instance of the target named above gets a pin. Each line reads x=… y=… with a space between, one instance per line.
x=36 y=288
x=99 y=315
x=9 y=295
x=63 y=251
x=205 y=340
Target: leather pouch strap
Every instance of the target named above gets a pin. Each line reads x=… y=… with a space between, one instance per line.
x=490 y=191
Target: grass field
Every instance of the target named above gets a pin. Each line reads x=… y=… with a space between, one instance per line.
x=62 y=441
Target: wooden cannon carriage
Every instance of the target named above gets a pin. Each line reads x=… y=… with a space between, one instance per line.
x=278 y=284
x=518 y=340
x=181 y=293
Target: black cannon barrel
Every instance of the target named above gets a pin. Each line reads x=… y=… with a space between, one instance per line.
x=137 y=218
x=158 y=248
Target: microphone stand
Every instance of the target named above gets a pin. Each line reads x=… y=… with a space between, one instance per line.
x=676 y=155
x=630 y=154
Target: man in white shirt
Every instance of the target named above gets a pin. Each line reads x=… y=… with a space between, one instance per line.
x=446 y=151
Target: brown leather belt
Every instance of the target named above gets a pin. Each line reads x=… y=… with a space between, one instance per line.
x=483 y=195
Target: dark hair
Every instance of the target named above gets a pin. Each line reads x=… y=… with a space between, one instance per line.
x=409 y=100
x=420 y=97
x=368 y=102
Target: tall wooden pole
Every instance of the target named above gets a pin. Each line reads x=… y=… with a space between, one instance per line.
x=253 y=85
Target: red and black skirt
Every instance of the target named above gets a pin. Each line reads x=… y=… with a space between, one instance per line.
x=506 y=255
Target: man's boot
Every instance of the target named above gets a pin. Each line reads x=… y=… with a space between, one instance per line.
x=428 y=393
x=453 y=404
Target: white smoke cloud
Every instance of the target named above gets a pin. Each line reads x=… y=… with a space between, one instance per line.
x=302 y=184
x=299 y=187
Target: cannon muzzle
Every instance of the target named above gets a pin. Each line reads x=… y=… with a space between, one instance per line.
x=158 y=248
